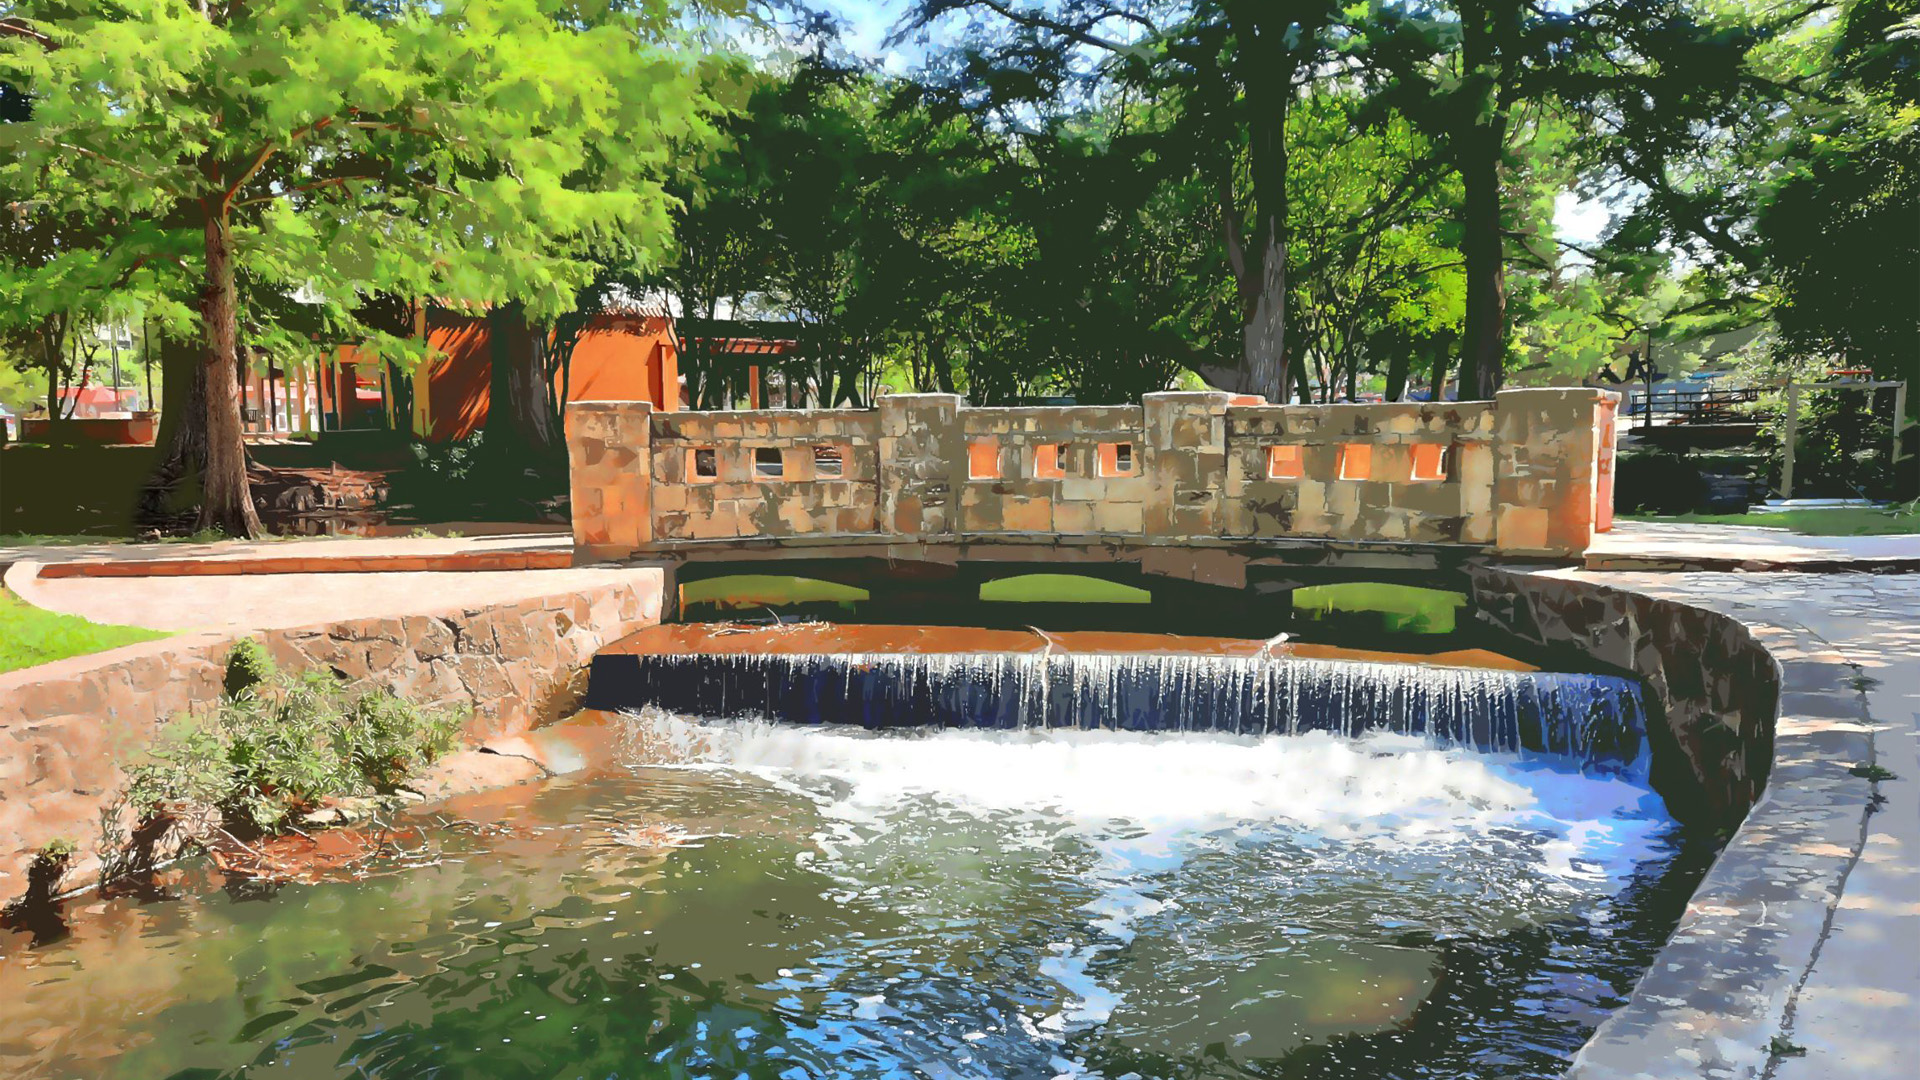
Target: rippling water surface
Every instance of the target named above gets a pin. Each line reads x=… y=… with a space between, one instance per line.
x=785 y=902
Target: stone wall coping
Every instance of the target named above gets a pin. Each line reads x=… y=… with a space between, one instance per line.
x=1090 y=409
x=689 y=416
x=610 y=405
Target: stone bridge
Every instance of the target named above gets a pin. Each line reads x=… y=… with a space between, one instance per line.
x=1196 y=486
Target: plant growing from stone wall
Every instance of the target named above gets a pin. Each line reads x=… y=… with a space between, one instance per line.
x=34 y=909
x=248 y=665
x=279 y=746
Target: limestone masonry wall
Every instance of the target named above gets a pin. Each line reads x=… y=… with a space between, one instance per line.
x=1527 y=473
x=1715 y=688
x=67 y=728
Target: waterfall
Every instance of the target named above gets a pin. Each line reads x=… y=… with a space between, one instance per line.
x=1595 y=720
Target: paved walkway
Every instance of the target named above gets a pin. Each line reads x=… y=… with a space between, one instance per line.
x=318 y=548
x=280 y=601
x=1858 y=1013
x=1665 y=545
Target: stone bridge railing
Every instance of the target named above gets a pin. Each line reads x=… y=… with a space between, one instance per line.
x=1527 y=473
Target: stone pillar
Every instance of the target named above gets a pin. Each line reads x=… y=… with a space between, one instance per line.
x=923 y=462
x=1548 y=444
x=1185 y=461
x=610 y=477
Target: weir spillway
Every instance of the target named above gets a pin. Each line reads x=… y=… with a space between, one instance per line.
x=1597 y=721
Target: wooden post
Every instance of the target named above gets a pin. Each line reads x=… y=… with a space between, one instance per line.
x=1787 y=441
x=323 y=374
x=1899 y=418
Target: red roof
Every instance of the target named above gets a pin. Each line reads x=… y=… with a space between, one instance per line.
x=743 y=346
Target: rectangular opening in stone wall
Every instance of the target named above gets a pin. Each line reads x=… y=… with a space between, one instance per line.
x=767 y=464
x=1285 y=463
x=1429 y=463
x=829 y=463
x=1356 y=461
x=1116 y=459
x=1048 y=461
x=983 y=460
x=703 y=463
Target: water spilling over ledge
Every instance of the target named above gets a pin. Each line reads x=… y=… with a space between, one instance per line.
x=1597 y=721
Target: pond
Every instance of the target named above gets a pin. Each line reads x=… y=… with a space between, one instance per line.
x=738 y=898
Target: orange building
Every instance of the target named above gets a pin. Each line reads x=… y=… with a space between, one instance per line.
x=626 y=356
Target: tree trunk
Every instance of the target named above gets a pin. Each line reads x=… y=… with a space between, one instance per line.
x=55 y=382
x=1398 y=365
x=183 y=409
x=1484 y=342
x=1437 y=385
x=226 y=498
x=1268 y=77
x=51 y=340
x=518 y=424
x=182 y=438
x=1263 y=361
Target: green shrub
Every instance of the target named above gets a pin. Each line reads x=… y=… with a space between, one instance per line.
x=248 y=665
x=1842 y=447
x=388 y=738
x=281 y=747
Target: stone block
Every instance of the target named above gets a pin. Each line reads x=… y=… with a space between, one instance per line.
x=1118 y=518
x=1301 y=523
x=1027 y=515
x=669 y=498
x=721 y=523
x=797 y=515
x=1343 y=499
x=796 y=464
x=1523 y=528
x=1310 y=496
x=1073 y=518
x=1083 y=489
x=1392 y=463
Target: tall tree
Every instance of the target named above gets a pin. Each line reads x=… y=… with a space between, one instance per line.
x=1235 y=66
x=1839 y=232
x=1457 y=71
x=416 y=148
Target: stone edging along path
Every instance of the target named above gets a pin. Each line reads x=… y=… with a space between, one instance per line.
x=65 y=727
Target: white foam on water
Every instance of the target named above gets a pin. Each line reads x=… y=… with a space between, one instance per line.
x=1382 y=785
x=1142 y=801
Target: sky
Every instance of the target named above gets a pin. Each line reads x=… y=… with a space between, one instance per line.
x=868 y=24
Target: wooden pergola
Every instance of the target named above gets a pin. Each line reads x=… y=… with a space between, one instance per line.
x=1793 y=419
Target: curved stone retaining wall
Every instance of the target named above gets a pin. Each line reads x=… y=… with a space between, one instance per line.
x=1764 y=731
x=1717 y=688
x=66 y=727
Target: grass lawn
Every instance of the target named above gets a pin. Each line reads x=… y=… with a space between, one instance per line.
x=8 y=540
x=31 y=635
x=741 y=591
x=1839 y=521
x=1061 y=589
x=1395 y=608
